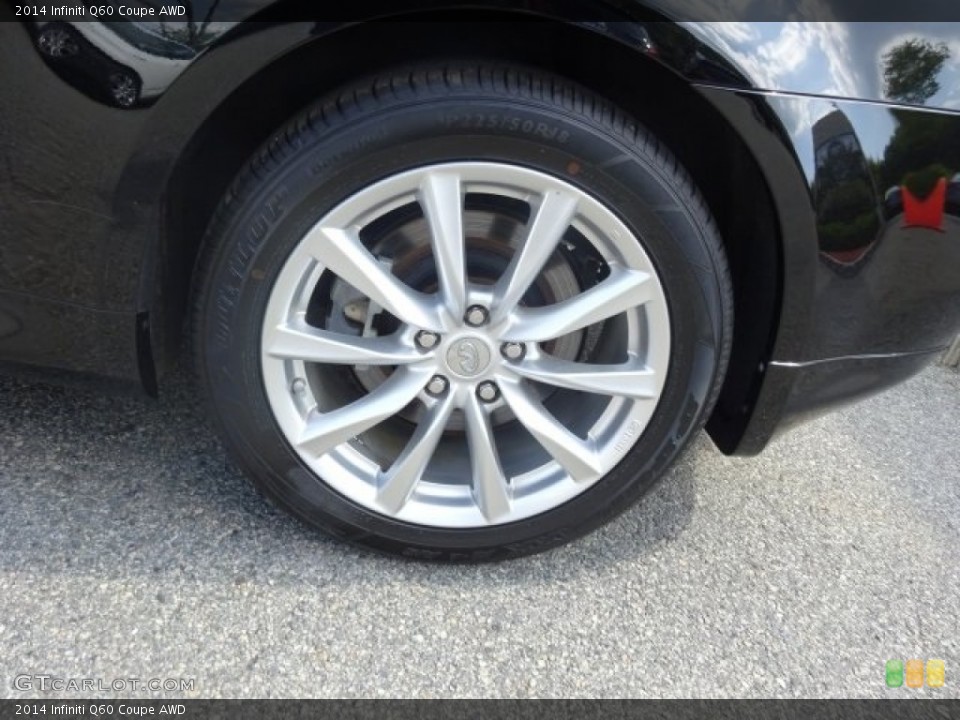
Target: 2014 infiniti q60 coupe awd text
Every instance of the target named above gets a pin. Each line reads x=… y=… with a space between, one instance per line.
x=463 y=286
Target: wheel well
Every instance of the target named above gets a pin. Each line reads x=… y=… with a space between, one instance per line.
x=704 y=143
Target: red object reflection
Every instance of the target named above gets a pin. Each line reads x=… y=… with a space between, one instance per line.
x=928 y=212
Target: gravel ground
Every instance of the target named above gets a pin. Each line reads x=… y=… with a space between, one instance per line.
x=130 y=548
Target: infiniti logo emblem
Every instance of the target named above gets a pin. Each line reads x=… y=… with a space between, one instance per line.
x=468 y=357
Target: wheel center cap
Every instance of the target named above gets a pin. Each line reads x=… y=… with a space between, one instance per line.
x=468 y=357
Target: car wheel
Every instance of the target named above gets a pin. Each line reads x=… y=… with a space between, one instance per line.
x=124 y=88
x=467 y=312
x=57 y=41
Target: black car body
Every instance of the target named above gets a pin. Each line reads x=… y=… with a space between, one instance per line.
x=828 y=160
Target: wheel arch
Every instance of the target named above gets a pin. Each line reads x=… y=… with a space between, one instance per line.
x=696 y=133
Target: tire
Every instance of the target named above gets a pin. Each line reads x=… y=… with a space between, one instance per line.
x=637 y=258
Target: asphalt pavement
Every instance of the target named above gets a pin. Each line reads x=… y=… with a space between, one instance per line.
x=130 y=548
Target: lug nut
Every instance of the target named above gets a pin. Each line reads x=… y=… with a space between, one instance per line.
x=513 y=351
x=488 y=392
x=427 y=340
x=437 y=385
x=476 y=315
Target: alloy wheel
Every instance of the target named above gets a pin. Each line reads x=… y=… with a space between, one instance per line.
x=465 y=344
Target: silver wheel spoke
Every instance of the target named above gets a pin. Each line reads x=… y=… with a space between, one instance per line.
x=342 y=252
x=632 y=379
x=324 y=431
x=398 y=483
x=577 y=456
x=442 y=204
x=548 y=225
x=490 y=489
x=298 y=341
x=622 y=290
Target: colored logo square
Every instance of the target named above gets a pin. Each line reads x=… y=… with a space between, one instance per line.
x=894 y=673
x=936 y=673
x=914 y=673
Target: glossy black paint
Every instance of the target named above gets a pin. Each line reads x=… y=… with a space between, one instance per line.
x=873 y=286
x=98 y=234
